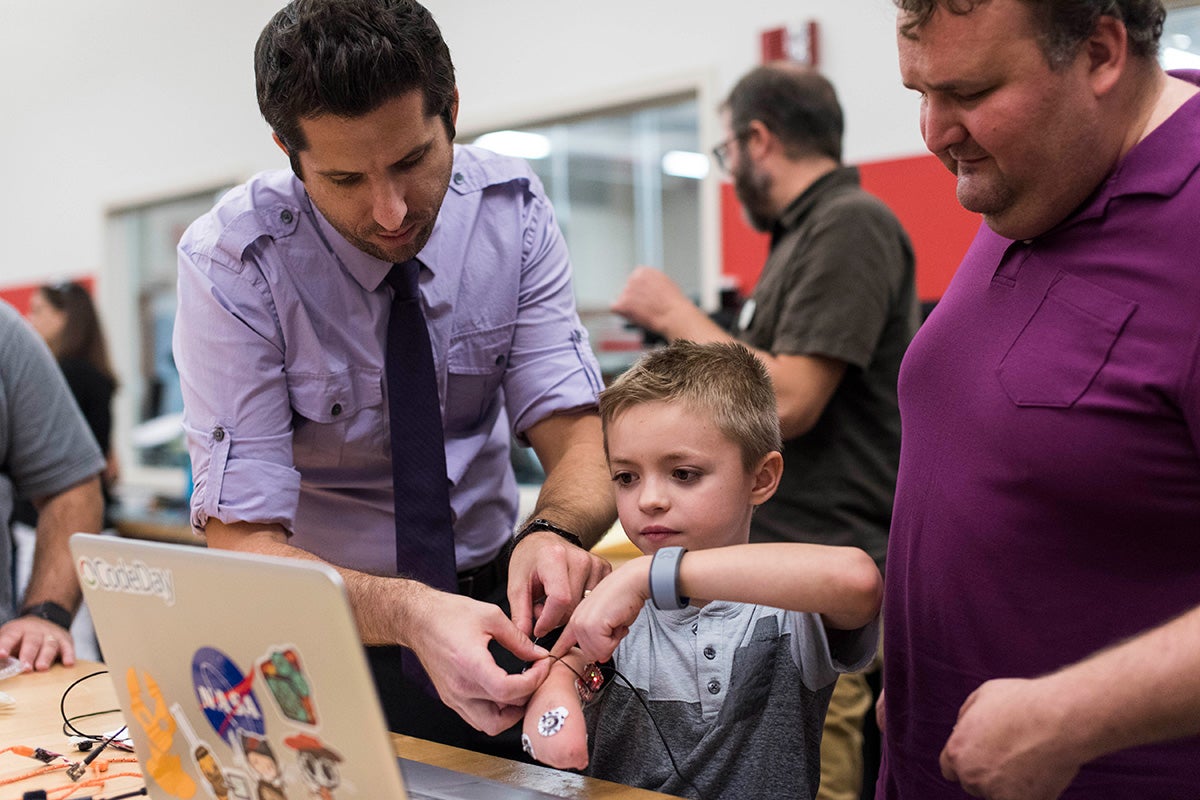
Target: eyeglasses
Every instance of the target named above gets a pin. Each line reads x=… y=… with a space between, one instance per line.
x=721 y=151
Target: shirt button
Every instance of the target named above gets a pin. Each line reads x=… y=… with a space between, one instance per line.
x=285 y=217
x=218 y=434
x=458 y=177
x=714 y=687
x=337 y=409
x=710 y=652
x=499 y=361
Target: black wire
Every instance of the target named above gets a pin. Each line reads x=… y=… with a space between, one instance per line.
x=68 y=727
x=657 y=729
x=662 y=737
x=134 y=793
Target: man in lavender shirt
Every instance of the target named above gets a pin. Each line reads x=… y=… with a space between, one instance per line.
x=280 y=342
x=1041 y=623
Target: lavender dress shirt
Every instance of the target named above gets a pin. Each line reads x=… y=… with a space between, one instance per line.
x=280 y=340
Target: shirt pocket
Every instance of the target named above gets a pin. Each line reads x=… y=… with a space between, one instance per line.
x=338 y=417
x=1064 y=345
x=475 y=366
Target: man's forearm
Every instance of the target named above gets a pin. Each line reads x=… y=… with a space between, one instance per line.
x=79 y=509
x=577 y=493
x=384 y=608
x=1144 y=690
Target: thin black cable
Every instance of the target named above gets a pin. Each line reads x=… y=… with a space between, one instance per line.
x=134 y=793
x=68 y=727
x=662 y=737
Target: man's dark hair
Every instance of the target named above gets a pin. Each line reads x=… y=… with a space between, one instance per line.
x=795 y=103
x=346 y=58
x=1064 y=24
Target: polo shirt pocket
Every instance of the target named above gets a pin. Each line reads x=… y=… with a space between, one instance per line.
x=338 y=417
x=475 y=366
x=1062 y=348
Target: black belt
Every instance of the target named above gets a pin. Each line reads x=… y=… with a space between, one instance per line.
x=481 y=583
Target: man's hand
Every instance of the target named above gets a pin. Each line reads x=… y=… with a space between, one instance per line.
x=547 y=577
x=453 y=650
x=36 y=643
x=1010 y=743
x=652 y=300
x=602 y=619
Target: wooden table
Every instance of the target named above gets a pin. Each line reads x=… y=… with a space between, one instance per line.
x=36 y=722
x=172 y=527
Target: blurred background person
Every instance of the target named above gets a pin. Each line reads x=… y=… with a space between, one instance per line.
x=65 y=317
x=47 y=455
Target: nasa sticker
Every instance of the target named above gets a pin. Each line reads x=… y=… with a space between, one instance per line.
x=225 y=695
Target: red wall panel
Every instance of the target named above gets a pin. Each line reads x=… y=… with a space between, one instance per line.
x=919 y=190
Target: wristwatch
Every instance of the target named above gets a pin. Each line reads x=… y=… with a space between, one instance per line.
x=539 y=524
x=49 y=611
x=664 y=579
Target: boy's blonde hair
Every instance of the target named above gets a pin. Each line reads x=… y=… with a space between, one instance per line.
x=723 y=380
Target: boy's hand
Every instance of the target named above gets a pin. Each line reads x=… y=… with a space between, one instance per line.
x=602 y=618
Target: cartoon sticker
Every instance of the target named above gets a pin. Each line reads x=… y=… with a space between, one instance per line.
x=165 y=767
x=261 y=759
x=285 y=678
x=318 y=765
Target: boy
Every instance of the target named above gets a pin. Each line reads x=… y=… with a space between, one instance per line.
x=738 y=678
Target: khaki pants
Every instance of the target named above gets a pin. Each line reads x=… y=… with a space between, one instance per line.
x=842 y=741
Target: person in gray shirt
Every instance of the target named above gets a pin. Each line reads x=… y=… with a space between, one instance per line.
x=47 y=454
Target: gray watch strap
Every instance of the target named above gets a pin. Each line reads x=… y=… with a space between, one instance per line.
x=664 y=579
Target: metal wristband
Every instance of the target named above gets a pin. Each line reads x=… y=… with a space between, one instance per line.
x=49 y=611
x=664 y=579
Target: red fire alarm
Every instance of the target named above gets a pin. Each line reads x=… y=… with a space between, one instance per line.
x=793 y=43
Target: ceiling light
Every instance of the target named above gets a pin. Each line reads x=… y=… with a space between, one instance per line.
x=685 y=164
x=516 y=143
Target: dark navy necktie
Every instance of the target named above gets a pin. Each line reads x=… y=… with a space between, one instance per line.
x=424 y=536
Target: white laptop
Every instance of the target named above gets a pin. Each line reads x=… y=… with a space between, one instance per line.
x=243 y=677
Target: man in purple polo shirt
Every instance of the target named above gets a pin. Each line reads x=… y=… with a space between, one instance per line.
x=280 y=342
x=1043 y=575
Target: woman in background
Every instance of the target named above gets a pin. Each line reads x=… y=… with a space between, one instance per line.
x=65 y=317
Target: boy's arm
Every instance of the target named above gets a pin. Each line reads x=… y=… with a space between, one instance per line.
x=842 y=584
x=554 y=732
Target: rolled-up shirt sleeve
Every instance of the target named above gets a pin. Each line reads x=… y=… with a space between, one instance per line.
x=229 y=350
x=551 y=367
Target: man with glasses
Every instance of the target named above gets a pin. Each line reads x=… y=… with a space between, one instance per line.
x=830 y=317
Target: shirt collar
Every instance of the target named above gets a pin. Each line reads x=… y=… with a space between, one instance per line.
x=367 y=270
x=799 y=208
x=1153 y=165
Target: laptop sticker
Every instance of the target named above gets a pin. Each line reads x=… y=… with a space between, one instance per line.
x=223 y=783
x=318 y=765
x=261 y=759
x=165 y=767
x=226 y=695
x=288 y=685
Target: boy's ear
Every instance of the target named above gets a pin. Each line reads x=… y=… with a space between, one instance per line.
x=766 y=477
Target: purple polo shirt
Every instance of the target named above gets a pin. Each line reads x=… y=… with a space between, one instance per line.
x=280 y=340
x=1048 y=502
